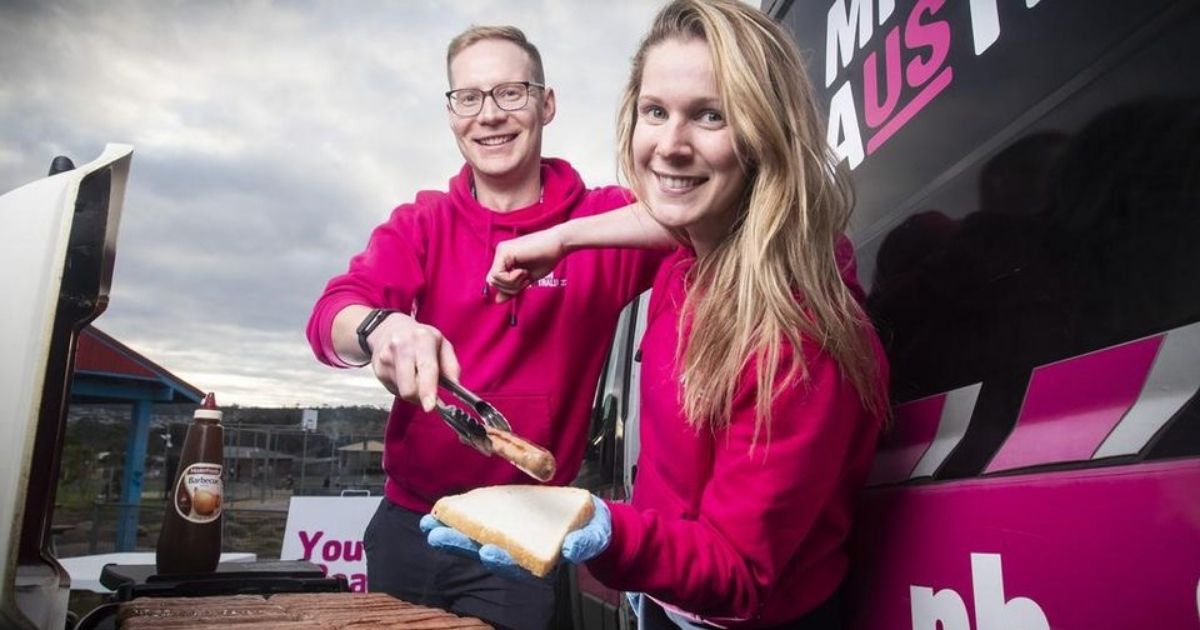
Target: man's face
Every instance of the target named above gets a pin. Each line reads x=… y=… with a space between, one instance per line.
x=497 y=143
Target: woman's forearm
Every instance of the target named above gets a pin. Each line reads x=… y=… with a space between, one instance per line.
x=629 y=226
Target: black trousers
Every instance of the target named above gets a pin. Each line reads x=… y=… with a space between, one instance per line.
x=402 y=564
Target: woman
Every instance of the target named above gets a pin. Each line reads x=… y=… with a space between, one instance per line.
x=763 y=385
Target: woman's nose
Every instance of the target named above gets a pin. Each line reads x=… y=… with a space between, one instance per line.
x=675 y=141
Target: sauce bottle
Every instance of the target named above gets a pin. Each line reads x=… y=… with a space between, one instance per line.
x=190 y=540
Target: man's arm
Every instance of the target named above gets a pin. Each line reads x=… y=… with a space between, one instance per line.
x=522 y=261
x=345 y=334
x=406 y=355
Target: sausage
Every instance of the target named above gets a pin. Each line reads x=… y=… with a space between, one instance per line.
x=532 y=459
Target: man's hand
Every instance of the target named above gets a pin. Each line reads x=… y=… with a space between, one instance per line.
x=578 y=547
x=524 y=260
x=408 y=357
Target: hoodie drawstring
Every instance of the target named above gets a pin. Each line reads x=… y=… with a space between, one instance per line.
x=512 y=303
x=491 y=247
x=567 y=193
x=512 y=309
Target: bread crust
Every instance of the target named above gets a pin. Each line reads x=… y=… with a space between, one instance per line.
x=532 y=459
x=445 y=512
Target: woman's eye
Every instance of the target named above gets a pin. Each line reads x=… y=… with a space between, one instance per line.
x=712 y=117
x=653 y=112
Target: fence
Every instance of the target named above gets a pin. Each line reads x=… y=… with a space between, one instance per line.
x=255 y=530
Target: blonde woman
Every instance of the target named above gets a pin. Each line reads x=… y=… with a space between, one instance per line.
x=763 y=384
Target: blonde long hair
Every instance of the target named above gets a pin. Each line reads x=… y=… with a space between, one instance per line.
x=742 y=297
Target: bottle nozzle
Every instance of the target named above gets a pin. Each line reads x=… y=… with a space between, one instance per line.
x=208 y=409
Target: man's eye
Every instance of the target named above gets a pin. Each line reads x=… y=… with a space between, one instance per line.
x=468 y=98
x=510 y=93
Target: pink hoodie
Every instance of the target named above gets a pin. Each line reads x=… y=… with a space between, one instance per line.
x=537 y=358
x=738 y=539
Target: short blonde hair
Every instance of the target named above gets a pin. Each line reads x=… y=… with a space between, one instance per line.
x=476 y=34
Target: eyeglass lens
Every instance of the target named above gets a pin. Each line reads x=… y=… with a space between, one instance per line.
x=508 y=96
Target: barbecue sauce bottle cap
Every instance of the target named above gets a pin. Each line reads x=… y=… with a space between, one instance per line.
x=208 y=409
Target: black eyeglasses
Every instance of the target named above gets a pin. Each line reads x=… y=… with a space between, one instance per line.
x=506 y=96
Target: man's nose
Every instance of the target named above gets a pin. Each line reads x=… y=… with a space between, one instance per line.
x=489 y=111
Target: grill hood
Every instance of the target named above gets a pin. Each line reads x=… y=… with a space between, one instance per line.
x=57 y=247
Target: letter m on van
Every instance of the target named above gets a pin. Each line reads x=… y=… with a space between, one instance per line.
x=847 y=25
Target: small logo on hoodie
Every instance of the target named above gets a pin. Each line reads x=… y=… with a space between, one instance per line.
x=550 y=282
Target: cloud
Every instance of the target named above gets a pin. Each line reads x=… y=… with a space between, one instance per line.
x=269 y=139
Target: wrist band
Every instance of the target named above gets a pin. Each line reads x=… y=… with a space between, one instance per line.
x=368 y=326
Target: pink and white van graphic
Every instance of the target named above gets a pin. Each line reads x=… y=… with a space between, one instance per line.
x=1068 y=524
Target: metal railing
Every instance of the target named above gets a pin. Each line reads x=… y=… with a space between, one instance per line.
x=256 y=530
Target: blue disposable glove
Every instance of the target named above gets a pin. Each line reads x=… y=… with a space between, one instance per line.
x=589 y=541
x=448 y=538
x=579 y=546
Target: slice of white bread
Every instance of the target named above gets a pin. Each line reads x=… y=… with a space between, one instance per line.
x=529 y=522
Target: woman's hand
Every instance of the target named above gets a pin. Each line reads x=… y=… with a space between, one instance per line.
x=524 y=260
x=578 y=547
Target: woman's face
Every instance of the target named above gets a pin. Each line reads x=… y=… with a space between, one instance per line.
x=683 y=146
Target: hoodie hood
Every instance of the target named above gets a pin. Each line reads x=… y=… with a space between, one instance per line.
x=562 y=189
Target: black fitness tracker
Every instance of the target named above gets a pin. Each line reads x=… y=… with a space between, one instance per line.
x=368 y=326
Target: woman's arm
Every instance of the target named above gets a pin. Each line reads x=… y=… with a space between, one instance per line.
x=524 y=260
x=757 y=510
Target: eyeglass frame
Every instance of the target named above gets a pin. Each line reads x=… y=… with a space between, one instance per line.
x=484 y=94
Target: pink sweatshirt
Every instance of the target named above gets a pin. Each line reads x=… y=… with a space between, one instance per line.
x=536 y=358
x=735 y=539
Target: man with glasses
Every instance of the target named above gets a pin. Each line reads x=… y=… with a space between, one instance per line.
x=414 y=305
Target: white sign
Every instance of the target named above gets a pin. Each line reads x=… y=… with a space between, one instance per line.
x=308 y=420
x=328 y=531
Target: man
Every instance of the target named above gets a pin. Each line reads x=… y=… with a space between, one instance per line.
x=414 y=304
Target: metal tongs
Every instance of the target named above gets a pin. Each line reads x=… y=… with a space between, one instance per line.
x=470 y=430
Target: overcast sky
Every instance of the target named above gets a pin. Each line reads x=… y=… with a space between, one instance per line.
x=269 y=138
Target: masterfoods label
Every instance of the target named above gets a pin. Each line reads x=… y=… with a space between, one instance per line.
x=198 y=493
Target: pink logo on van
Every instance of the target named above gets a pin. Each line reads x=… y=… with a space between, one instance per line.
x=922 y=78
x=902 y=79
